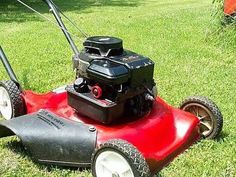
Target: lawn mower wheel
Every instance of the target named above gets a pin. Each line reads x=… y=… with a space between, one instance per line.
x=211 y=119
x=118 y=158
x=11 y=102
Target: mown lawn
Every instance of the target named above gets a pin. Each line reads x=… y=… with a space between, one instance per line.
x=171 y=32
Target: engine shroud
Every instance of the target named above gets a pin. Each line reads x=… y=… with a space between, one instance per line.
x=122 y=80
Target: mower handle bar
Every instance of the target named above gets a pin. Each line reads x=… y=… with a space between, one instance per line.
x=57 y=16
x=8 y=67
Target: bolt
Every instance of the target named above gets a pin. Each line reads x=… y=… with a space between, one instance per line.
x=115 y=174
x=3 y=103
x=148 y=97
x=92 y=129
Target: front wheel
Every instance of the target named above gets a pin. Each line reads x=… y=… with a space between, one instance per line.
x=211 y=119
x=11 y=102
x=118 y=158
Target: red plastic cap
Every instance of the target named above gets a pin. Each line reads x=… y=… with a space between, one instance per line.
x=97 y=91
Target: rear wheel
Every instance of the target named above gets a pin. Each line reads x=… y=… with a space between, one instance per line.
x=211 y=119
x=118 y=158
x=11 y=102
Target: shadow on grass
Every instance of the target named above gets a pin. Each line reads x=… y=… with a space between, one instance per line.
x=16 y=146
x=12 y=11
x=221 y=138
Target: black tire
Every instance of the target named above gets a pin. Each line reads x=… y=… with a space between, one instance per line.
x=134 y=158
x=202 y=107
x=17 y=102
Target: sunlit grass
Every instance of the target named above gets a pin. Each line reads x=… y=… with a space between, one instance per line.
x=173 y=33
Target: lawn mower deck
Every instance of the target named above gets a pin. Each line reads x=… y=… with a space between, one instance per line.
x=109 y=118
x=160 y=135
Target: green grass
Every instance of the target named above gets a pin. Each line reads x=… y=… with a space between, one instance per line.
x=174 y=33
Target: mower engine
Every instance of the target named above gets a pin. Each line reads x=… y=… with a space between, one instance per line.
x=111 y=82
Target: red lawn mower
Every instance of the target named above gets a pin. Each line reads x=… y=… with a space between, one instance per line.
x=230 y=7
x=110 y=118
x=230 y=11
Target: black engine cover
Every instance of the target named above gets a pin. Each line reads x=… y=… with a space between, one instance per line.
x=104 y=60
x=120 y=69
x=112 y=82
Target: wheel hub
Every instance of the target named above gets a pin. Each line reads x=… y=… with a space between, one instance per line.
x=205 y=117
x=112 y=164
x=115 y=174
x=5 y=104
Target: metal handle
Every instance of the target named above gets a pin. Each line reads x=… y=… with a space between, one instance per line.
x=8 y=67
x=62 y=25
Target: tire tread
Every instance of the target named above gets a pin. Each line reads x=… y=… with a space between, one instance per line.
x=17 y=101
x=208 y=103
x=130 y=153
